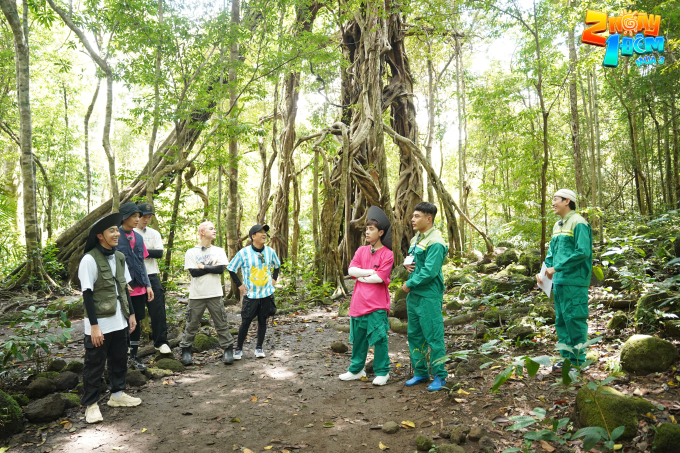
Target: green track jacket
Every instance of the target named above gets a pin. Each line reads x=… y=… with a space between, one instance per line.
x=429 y=250
x=571 y=251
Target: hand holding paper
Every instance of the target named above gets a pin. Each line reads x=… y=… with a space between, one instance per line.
x=544 y=280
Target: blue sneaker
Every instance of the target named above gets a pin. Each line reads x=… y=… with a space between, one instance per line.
x=437 y=384
x=416 y=380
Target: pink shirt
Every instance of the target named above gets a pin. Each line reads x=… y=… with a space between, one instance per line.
x=140 y=289
x=370 y=297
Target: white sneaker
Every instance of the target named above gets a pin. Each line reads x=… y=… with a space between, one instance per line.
x=351 y=376
x=165 y=349
x=125 y=400
x=93 y=414
x=238 y=354
x=381 y=380
x=259 y=353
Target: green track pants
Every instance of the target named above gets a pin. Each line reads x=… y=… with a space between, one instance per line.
x=426 y=333
x=370 y=329
x=571 y=319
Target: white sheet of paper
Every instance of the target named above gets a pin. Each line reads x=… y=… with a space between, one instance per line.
x=547 y=282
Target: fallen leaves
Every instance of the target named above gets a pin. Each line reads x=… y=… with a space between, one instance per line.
x=328 y=425
x=235 y=420
x=143 y=430
x=383 y=446
x=67 y=424
x=408 y=424
x=547 y=447
x=254 y=399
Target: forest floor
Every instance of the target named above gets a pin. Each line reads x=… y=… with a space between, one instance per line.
x=292 y=400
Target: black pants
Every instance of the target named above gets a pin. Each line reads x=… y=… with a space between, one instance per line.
x=113 y=352
x=253 y=308
x=159 y=328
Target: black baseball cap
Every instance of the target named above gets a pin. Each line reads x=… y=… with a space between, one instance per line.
x=255 y=228
x=128 y=209
x=145 y=208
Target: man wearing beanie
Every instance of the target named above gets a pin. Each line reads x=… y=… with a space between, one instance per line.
x=260 y=267
x=103 y=277
x=131 y=244
x=154 y=246
x=371 y=266
x=569 y=264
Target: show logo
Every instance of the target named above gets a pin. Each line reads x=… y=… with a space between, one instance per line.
x=631 y=33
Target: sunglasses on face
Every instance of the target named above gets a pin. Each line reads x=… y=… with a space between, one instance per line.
x=260 y=257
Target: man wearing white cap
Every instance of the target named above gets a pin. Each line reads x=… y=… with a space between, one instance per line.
x=569 y=261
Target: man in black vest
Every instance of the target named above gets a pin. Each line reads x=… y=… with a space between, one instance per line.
x=131 y=244
x=103 y=277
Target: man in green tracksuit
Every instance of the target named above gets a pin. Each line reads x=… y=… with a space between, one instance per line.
x=425 y=288
x=569 y=264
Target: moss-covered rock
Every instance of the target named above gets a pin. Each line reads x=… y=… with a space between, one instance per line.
x=617 y=408
x=170 y=364
x=398 y=309
x=76 y=366
x=506 y=244
x=509 y=285
x=343 y=309
x=671 y=328
x=46 y=409
x=66 y=380
x=618 y=322
x=79 y=388
x=450 y=448
x=546 y=312
x=532 y=261
x=647 y=304
x=11 y=420
x=644 y=354
x=56 y=365
x=522 y=330
x=157 y=373
x=339 y=347
x=489 y=268
x=453 y=305
x=21 y=399
x=424 y=443
x=459 y=434
x=204 y=342
x=70 y=400
x=52 y=375
x=666 y=439
x=40 y=387
x=517 y=269
x=136 y=378
x=508 y=257
x=397 y=326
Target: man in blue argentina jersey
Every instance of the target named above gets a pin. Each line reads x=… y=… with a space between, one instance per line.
x=260 y=267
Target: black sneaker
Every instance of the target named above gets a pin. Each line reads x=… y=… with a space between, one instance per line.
x=557 y=366
x=135 y=363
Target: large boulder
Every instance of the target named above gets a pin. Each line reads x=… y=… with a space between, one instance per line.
x=398 y=309
x=11 y=421
x=508 y=257
x=40 y=387
x=671 y=328
x=56 y=365
x=644 y=354
x=532 y=261
x=488 y=268
x=46 y=409
x=66 y=380
x=506 y=244
x=666 y=439
x=508 y=285
x=170 y=364
x=617 y=409
x=203 y=342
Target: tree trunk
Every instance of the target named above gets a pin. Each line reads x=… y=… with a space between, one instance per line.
x=669 y=168
x=574 y=122
x=315 y=214
x=676 y=151
x=430 y=116
x=596 y=120
x=462 y=170
x=232 y=204
x=305 y=17
x=33 y=267
x=296 y=221
x=50 y=197
x=197 y=190
x=173 y=226
x=156 y=111
x=86 y=123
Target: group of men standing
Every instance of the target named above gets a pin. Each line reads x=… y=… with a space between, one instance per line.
x=119 y=280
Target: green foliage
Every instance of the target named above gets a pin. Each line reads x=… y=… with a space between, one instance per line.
x=33 y=337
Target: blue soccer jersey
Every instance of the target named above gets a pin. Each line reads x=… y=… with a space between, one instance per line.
x=257 y=268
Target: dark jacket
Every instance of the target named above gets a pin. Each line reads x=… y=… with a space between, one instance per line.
x=134 y=258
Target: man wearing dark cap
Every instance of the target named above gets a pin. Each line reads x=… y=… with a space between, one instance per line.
x=131 y=244
x=260 y=268
x=103 y=277
x=371 y=267
x=154 y=246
